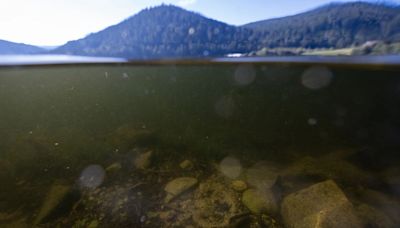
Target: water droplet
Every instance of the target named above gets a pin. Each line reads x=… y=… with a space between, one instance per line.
x=244 y=75
x=316 y=77
x=191 y=31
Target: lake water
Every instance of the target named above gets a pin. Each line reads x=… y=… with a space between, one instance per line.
x=225 y=143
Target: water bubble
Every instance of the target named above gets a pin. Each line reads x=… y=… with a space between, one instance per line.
x=92 y=176
x=316 y=77
x=244 y=75
x=191 y=31
x=230 y=167
x=225 y=106
x=312 y=121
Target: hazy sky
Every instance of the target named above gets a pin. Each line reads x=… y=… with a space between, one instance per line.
x=54 y=22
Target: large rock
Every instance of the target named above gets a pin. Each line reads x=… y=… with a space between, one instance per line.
x=178 y=186
x=321 y=205
x=258 y=201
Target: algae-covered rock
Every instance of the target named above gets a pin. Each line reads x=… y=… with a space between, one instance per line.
x=93 y=224
x=186 y=164
x=114 y=167
x=143 y=160
x=177 y=186
x=320 y=205
x=327 y=167
x=239 y=185
x=262 y=175
x=58 y=201
x=128 y=135
x=258 y=201
x=215 y=204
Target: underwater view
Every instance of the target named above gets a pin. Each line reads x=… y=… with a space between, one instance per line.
x=223 y=144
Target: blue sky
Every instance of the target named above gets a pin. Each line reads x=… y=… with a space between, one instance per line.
x=54 y=22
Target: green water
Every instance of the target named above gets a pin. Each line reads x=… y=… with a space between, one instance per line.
x=294 y=126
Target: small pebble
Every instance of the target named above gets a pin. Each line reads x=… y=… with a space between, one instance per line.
x=186 y=164
x=239 y=185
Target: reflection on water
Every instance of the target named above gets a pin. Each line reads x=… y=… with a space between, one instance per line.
x=206 y=145
x=53 y=59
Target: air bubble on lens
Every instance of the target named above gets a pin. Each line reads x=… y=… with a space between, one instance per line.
x=92 y=176
x=244 y=75
x=312 y=121
x=230 y=167
x=316 y=77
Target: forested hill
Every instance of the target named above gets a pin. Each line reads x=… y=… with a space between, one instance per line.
x=163 y=31
x=335 y=25
x=170 y=31
x=10 y=48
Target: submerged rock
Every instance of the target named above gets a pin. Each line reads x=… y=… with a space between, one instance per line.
x=143 y=160
x=127 y=136
x=120 y=205
x=320 y=205
x=114 y=167
x=258 y=201
x=212 y=204
x=215 y=204
x=239 y=185
x=178 y=186
x=262 y=175
x=186 y=164
x=58 y=201
x=327 y=167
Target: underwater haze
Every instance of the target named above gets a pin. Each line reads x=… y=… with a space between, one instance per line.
x=200 y=144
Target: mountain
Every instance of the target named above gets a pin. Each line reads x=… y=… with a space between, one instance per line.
x=10 y=48
x=170 y=31
x=163 y=31
x=336 y=25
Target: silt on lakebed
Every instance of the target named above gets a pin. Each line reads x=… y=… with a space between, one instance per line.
x=200 y=144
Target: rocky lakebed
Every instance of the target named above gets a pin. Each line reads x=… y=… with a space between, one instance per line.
x=138 y=185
